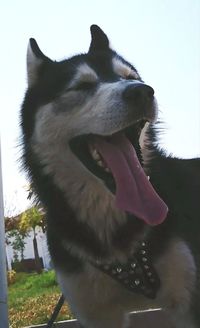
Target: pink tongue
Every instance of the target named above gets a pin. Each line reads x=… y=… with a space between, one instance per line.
x=134 y=192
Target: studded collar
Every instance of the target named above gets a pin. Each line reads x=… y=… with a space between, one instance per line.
x=137 y=274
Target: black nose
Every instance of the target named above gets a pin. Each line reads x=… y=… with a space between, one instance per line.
x=138 y=93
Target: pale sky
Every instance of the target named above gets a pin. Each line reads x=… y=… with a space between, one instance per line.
x=160 y=37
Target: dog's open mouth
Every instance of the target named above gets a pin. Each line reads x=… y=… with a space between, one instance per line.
x=114 y=160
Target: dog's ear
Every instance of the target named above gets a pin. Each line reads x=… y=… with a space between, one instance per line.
x=35 y=59
x=99 y=40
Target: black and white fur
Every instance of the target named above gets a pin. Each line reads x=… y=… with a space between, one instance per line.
x=84 y=95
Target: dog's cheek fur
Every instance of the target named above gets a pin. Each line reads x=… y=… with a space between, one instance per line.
x=84 y=192
x=87 y=195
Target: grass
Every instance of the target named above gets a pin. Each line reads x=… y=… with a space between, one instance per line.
x=32 y=299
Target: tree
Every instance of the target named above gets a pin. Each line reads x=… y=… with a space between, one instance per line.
x=30 y=220
x=15 y=237
x=17 y=242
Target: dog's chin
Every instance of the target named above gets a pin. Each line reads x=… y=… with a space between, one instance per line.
x=84 y=149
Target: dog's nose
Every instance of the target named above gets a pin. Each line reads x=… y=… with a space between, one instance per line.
x=138 y=92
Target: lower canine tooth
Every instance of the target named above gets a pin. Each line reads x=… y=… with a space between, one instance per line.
x=100 y=163
x=95 y=155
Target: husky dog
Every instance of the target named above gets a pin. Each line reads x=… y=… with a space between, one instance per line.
x=123 y=219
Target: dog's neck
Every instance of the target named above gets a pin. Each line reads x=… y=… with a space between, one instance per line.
x=137 y=274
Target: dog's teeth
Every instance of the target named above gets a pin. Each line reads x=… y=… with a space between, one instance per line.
x=100 y=163
x=96 y=155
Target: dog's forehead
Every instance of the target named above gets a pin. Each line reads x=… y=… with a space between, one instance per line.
x=109 y=66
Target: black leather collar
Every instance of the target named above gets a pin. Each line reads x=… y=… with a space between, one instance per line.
x=137 y=274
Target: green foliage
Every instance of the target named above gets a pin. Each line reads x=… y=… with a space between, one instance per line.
x=31 y=285
x=32 y=299
x=19 y=227
x=30 y=219
x=16 y=238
